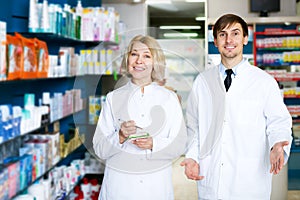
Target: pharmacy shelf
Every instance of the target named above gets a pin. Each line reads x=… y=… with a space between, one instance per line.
x=40 y=128
x=61 y=39
x=70 y=156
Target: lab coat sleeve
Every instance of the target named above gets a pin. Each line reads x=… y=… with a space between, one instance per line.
x=278 y=119
x=193 y=122
x=106 y=137
x=174 y=144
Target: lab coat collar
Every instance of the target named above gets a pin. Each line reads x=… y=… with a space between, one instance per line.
x=146 y=88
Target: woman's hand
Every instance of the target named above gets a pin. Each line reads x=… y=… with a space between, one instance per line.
x=127 y=128
x=144 y=143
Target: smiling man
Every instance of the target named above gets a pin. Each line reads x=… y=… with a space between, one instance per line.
x=239 y=122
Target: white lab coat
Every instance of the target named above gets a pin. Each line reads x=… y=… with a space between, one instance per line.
x=234 y=132
x=132 y=173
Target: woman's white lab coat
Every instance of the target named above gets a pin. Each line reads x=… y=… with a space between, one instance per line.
x=132 y=173
x=234 y=132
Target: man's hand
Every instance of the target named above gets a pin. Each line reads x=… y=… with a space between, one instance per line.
x=192 y=169
x=277 y=157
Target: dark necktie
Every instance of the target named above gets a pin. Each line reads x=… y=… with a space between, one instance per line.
x=227 y=81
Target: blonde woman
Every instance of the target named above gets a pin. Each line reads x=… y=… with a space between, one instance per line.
x=141 y=129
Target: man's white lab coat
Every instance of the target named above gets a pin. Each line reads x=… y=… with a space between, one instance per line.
x=234 y=132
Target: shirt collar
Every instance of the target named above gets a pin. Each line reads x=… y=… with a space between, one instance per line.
x=235 y=69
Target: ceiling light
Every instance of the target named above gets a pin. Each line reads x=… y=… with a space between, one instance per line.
x=180 y=27
x=158 y=2
x=195 y=1
x=200 y=18
x=180 y=35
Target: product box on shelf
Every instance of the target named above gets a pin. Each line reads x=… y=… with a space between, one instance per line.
x=42 y=58
x=43 y=145
x=94 y=109
x=13 y=168
x=103 y=62
x=66 y=60
x=15 y=57
x=16 y=120
x=25 y=169
x=54 y=137
x=4 y=183
x=32 y=118
x=38 y=150
x=52 y=141
x=3 y=65
x=29 y=69
x=35 y=157
x=67 y=103
x=6 y=129
x=109 y=59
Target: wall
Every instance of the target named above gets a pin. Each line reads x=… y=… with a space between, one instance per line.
x=217 y=8
x=133 y=15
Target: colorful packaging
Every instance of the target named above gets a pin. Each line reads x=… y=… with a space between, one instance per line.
x=94 y=109
x=3 y=67
x=25 y=171
x=4 y=183
x=15 y=57
x=42 y=58
x=29 y=69
x=13 y=178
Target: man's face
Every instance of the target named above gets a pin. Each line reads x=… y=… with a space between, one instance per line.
x=230 y=41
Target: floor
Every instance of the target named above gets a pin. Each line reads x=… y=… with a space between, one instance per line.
x=185 y=189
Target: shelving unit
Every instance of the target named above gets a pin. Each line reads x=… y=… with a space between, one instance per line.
x=14 y=90
x=276 y=49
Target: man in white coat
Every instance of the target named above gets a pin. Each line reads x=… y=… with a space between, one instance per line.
x=241 y=134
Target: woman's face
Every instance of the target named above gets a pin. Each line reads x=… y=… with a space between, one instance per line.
x=140 y=64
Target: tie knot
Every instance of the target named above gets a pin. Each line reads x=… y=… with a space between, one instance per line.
x=228 y=72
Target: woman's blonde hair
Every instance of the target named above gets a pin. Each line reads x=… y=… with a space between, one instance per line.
x=159 y=61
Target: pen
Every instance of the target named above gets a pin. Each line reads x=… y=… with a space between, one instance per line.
x=120 y=120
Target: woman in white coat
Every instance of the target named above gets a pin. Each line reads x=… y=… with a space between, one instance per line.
x=141 y=129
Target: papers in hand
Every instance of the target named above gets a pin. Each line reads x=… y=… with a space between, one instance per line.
x=137 y=136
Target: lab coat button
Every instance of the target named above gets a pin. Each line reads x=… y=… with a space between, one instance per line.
x=142 y=115
x=141 y=181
